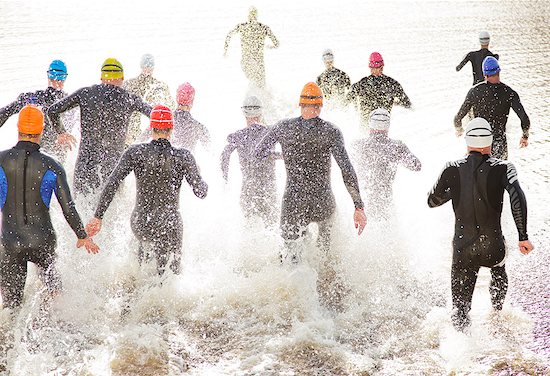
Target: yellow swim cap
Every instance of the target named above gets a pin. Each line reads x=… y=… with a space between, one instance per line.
x=112 y=69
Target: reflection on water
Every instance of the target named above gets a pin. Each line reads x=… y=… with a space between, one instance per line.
x=234 y=310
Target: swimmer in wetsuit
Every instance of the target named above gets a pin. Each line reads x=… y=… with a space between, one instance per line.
x=57 y=74
x=378 y=157
x=28 y=179
x=258 y=190
x=492 y=100
x=159 y=169
x=477 y=57
x=105 y=111
x=476 y=185
x=307 y=144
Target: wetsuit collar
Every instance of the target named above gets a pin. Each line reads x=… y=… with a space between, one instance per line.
x=161 y=141
x=28 y=146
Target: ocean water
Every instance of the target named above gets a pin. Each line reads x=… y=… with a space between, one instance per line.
x=234 y=310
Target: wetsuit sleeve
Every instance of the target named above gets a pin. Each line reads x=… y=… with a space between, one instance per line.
x=348 y=173
x=518 y=203
x=272 y=36
x=205 y=136
x=226 y=156
x=141 y=106
x=11 y=109
x=193 y=177
x=55 y=110
x=496 y=56
x=402 y=96
x=265 y=147
x=123 y=168
x=229 y=35
x=350 y=97
x=520 y=111
x=68 y=207
x=468 y=103
x=441 y=192
x=408 y=159
x=347 y=81
x=464 y=61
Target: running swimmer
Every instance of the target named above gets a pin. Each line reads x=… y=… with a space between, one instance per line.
x=28 y=179
x=253 y=36
x=476 y=57
x=258 y=190
x=159 y=169
x=307 y=144
x=492 y=100
x=378 y=157
x=476 y=186
x=105 y=111
x=150 y=90
x=57 y=74
x=333 y=82
x=376 y=91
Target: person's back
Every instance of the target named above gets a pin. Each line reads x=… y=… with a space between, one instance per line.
x=253 y=34
x=188 y=131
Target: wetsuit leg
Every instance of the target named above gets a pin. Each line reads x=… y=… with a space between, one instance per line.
x=324 y=237
x=45 y=260
x=13 y=273
x=292 y=228
x=168 y=249
x=498 y=286
x=463 y=281
x=500 y=147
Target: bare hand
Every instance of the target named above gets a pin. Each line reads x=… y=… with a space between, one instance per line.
x=360 y=220
x=66 y=139
x=459 y=131
x=525 y=246
x=93 y=227
x=89 y=244
x=523 y=142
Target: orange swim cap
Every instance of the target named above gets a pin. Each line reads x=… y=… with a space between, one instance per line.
x=311 y=94
x=31 y=120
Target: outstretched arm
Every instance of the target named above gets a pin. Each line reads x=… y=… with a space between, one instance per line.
x=402 y=96
x=228 y=39
x=408 y=159
x=55 y=110
x=348 y=172
x=141 y=106
x=463 y=62
x=265 y=147
x=272 y=36
x=193 y=177
x=225 y=157
x=520 y=111
x=67 y=204
x=11 y=109
x=468 y=103
x=441 y=192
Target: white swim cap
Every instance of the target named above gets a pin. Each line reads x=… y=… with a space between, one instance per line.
x=147 y=61
x=484 y=37
x=328 y=55
x=478 y=133
x=379 y=119
x=252 y=107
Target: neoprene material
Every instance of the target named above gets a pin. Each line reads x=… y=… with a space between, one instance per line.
x=476 y=59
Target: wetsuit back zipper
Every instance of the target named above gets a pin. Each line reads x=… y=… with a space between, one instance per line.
x=25 y=187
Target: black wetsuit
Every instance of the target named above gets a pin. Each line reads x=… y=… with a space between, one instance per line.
x=334 y=83
x=378 y=157
x=188 y=131
x=492 y=102
x=104 y=115
x=28 y=179
x=476 y=58
x=156 y=221
x=307 y=147
x=476 y=187
x=374 y=92
x=44 y=99
x=258 y=190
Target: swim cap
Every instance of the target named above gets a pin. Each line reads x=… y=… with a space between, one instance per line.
x=185 y=94
x=161 y=117
x=490 y=66
x=328 y=55
x=484 y=38
x=147 y=61
x=57 y=71
x=379 y=119
x=375 y=60
x=252 y=107
x=112 y=69
x=31 y=120
x=311 y=94
x=478 y=133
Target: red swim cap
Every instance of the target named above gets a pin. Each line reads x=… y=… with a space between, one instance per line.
x=375 y=60
x=161 y=118
x=185 y=94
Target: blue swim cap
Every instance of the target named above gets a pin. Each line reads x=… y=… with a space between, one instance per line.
x=490 y=66
x=57 y=71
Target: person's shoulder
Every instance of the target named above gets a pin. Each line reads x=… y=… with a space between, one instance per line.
x=50 y=162
x=455 y=164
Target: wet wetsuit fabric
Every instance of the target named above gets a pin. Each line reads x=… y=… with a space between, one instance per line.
x=374 y=92
x=44 y=99
x=334 y=83
x=188 y=132
x=253 y=36
x=476 y=187
x=476 y=58
x=150 y=90
x=492 y=102
x=307 y=147
x=258 y=190
x=156 y=222
x=28 y=179
x=104 y=115
x=378 y=157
